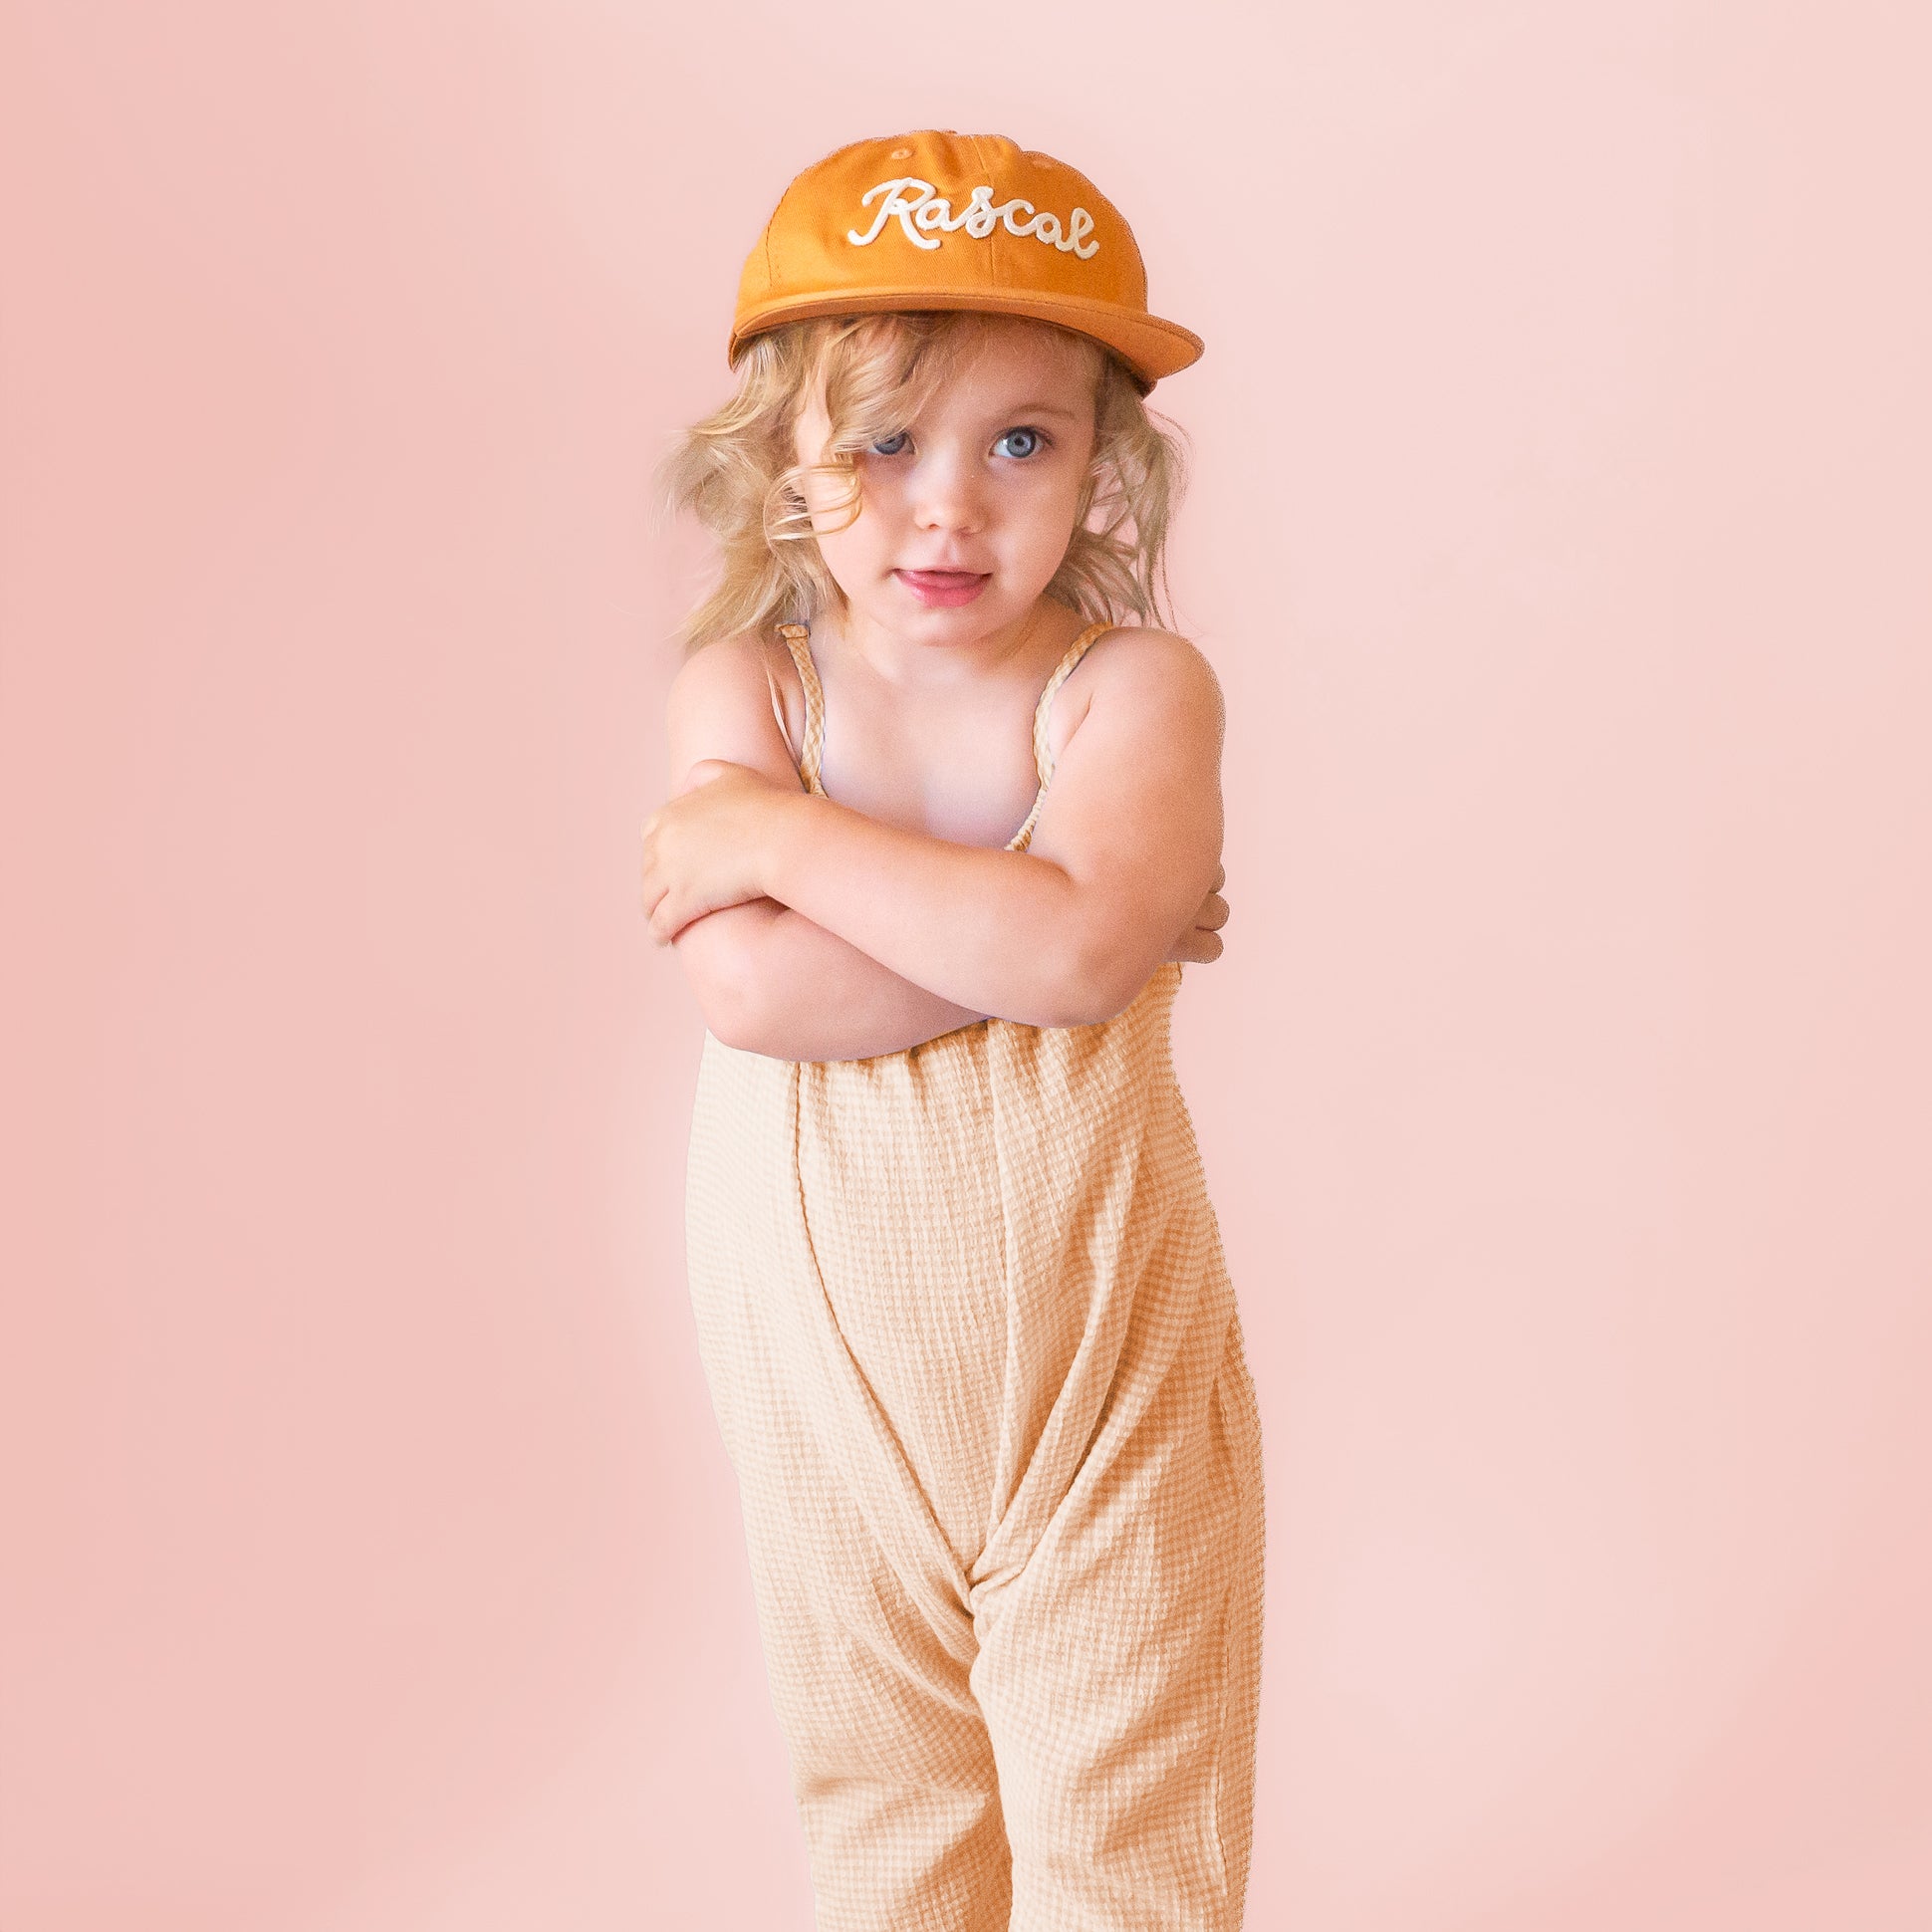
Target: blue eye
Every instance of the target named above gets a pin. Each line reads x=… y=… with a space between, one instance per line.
x=891 y=445
x=1034 y=441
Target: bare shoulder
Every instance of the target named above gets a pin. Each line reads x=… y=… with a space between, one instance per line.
x=724 y=665
x=1142 y=678
x=720 y=706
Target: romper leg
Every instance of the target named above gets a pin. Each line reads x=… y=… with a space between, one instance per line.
x=1119 y=1671
x=867 y=1640
x=890 y=1758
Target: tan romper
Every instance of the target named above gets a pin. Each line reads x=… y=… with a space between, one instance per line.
x=976 y=1359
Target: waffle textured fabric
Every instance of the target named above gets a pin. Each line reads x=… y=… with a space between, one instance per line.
x=976 y=1360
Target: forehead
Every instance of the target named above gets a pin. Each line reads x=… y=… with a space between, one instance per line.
x=999 y=362
x=1003 y=355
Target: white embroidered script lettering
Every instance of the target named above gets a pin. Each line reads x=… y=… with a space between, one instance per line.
x=918 y=204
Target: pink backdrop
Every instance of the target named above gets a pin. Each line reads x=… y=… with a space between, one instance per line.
x=371 y=1561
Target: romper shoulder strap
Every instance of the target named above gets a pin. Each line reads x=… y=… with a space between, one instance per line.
x=1043 y=756
x=795 y=635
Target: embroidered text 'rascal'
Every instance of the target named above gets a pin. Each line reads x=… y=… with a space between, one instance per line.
x=918 y=204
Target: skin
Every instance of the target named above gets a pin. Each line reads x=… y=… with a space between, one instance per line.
x=887 y=914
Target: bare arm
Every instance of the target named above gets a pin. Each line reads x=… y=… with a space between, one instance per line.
x=768 y=979
x=803 y=993
x=1065 y=933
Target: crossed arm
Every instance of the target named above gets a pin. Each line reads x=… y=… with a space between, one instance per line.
x=853 y=937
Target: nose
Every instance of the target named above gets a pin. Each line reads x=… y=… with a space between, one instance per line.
x=947 y=492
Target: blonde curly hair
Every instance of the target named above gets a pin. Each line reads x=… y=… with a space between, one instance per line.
x=736 y=469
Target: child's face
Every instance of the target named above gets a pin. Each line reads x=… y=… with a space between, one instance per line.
x=967 y=512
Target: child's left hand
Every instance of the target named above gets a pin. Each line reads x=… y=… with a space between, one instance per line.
x=705 y=849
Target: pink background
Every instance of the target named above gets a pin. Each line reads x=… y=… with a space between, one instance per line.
x=371 y=1562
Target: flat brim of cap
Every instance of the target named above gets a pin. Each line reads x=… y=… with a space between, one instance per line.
x=1148 y=346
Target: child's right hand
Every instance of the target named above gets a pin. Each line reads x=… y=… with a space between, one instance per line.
x=1202 y=940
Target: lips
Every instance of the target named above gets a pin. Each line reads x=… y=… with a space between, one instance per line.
x=944 y=586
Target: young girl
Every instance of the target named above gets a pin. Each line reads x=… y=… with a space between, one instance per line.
x=959 y=1288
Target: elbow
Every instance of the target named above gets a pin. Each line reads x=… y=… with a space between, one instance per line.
x=730 y=1026
x=734 y=1016
x=1112 y=956
x=1095 y=987
x=722 y=980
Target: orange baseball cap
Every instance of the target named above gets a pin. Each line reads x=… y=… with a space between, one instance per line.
x=942 y=220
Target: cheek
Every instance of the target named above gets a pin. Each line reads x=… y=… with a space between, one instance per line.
x=1043 y=517
x=871 y=529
